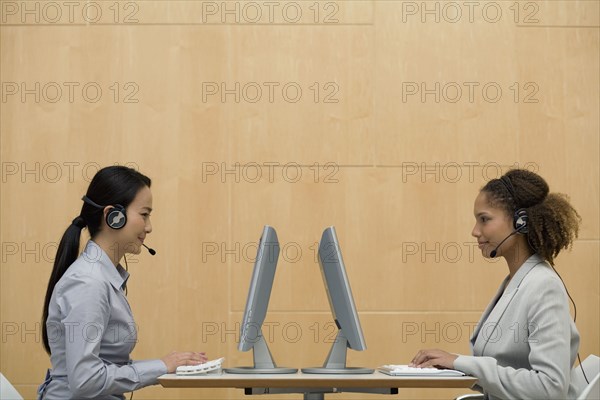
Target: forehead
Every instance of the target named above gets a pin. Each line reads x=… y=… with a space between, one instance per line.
x=143 y=198
x=482 y=205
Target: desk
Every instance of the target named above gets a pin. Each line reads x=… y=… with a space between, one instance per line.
x=314 y=386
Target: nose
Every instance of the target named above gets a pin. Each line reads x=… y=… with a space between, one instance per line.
x=148 y=226
x=476 y=232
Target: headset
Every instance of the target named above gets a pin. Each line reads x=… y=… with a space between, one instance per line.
x=520 y=217
x=520 y=221
x=116 y=217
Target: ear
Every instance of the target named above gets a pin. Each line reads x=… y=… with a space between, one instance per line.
x=105 y=212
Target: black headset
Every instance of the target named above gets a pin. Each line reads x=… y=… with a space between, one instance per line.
x=521 y=221
x=520 y=217
x=116 y=217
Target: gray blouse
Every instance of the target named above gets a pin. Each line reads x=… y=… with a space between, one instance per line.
x=91 y=333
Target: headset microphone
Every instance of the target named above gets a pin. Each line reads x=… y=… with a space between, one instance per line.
x=150 y=250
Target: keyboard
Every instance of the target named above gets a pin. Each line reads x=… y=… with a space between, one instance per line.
x=405 y=370
x=199 y=369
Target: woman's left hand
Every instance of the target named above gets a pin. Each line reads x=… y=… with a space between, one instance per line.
x=433 y=358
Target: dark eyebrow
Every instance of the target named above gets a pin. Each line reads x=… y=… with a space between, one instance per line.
x=148 y=208
x=480 y=214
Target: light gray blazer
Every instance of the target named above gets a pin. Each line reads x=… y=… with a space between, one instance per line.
x=526 y=341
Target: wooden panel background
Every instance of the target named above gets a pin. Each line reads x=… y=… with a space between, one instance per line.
x=395 y=171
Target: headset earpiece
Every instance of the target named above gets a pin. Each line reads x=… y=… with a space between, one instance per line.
x=520 y=221
x=116 y=217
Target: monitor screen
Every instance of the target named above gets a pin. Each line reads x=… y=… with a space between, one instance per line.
x=261 y=283
x=338 y=288
x=342 y=306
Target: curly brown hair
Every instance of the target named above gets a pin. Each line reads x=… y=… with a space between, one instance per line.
x=553 y=223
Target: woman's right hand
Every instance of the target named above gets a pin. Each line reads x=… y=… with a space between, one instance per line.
x=178 y=358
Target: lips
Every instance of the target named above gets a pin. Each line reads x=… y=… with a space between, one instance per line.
x=482 y=244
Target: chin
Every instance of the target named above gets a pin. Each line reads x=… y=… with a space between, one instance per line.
x=134 y=249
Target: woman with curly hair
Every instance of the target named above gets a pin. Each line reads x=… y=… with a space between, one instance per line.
x=526 y=341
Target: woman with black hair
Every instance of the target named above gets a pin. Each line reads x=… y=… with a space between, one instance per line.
x=526 y=342
x=88 y=328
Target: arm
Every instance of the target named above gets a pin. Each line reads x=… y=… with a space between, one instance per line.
x=548 y=337
x=87 y=309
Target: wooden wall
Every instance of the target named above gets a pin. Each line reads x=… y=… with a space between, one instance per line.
x=383 y=118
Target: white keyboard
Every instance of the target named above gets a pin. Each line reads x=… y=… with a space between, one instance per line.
x=199 y=369
x=405 y=370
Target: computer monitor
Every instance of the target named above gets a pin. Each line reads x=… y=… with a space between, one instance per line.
x=251 y=336
x=342 y=306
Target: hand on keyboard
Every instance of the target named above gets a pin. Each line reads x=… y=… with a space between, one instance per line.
x=405 y=370
x=433 y=358
x=177 y=358
x=200 y=369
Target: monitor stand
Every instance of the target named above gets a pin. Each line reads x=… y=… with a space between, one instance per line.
x=336 y=360
x=263 y=361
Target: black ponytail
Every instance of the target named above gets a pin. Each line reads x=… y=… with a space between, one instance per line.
x=110 y=185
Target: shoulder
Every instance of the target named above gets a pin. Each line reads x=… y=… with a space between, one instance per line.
x=543 y=290
x=542 y=278
x=83 y=277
